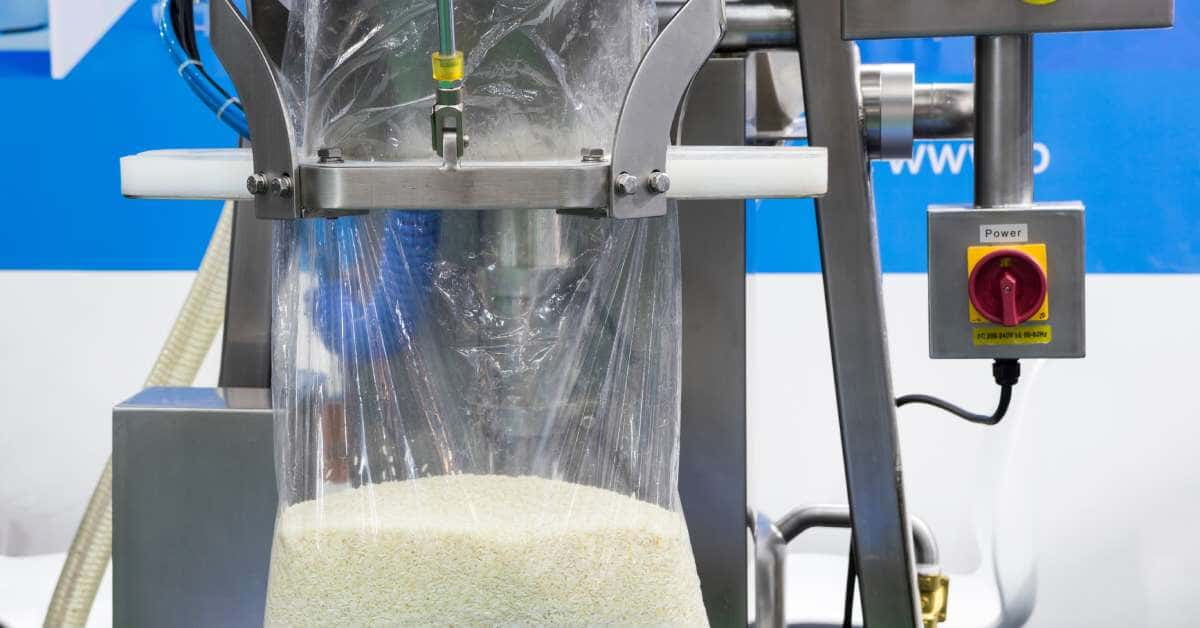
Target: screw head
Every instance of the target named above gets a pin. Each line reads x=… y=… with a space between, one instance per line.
x=592 y=155
x=331 y=155
x=659 y=182
x=257 y=184
x=281 y=186
x=626 y=184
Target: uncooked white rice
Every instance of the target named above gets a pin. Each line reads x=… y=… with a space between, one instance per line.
x=482 y=550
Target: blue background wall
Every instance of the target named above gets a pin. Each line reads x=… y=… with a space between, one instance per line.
x=1115 y=111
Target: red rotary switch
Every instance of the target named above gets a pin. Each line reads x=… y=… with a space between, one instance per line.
x=1007 y=287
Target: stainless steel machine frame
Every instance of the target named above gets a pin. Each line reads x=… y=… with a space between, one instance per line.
x=192 y=435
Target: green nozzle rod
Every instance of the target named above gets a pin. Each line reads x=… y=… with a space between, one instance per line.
x=446 y=43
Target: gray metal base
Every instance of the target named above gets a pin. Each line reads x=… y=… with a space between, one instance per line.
x=194 y=505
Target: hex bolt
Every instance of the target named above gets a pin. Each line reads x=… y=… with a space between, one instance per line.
x=332 y=155
x=659 y=182
x=281 y=186
x=257 y=184
x=626 y=184
x=592 y=155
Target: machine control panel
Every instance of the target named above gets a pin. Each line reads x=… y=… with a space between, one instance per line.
x=1006 y=283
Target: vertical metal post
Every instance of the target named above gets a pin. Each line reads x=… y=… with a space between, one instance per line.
x=1003 y=121
x=712 y=461
x=854 y=304
x=246 y=343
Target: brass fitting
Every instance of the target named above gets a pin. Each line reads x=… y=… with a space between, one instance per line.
x=935 y=592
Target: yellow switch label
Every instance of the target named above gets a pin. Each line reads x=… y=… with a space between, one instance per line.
x=1039 y=1
x=1005 y=336
x=1037 y=251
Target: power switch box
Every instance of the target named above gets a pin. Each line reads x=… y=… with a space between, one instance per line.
x=1007 y=283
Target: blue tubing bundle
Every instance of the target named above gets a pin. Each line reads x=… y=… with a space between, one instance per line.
x=227 y=108
x=360 y=311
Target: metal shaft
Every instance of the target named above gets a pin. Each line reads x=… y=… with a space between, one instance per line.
x=747 y=26
x=1003 y=120
x=446 y=43
x=944 y=111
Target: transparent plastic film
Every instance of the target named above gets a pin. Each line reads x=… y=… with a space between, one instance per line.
x=477 y=413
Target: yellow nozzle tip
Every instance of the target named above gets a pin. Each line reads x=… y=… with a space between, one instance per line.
x=448 y=67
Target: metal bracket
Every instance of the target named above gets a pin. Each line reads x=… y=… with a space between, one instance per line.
x=274 y=184
x=885 y=19
x=659 y=85
x=331 y=189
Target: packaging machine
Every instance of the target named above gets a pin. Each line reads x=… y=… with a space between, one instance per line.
x=700 y=127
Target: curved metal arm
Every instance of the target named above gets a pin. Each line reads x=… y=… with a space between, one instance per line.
x=798 y=521
x=275 y=185
x=770 y=553
x=658 y=86
x=770 y=570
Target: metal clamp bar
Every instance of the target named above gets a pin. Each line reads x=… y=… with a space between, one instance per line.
x=334 y=188
x=644 y=127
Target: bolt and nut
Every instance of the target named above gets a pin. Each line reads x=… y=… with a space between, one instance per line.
x=332 y=155
x=626 y=184
x=257 y=184
x=659 y=182
x=281 y=186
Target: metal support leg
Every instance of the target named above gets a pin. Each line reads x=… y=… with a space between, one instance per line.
x=712 y=460
x=854 y=303
x=246 y=344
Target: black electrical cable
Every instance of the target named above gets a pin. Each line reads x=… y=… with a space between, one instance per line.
x=184 y=22
x=1006 y=374
x=851 y=576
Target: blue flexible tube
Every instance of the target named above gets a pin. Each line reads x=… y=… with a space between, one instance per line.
x=367 y=304
x=393 y=295
x=228 y=108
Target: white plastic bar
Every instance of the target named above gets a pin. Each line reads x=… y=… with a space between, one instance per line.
x=731 y=172
x=197 y=174
x=697 y=173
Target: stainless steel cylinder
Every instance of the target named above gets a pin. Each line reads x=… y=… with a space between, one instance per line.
x=887 y=103
x=1003 y=121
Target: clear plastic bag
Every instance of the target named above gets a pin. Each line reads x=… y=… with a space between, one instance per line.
x=477 y=413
